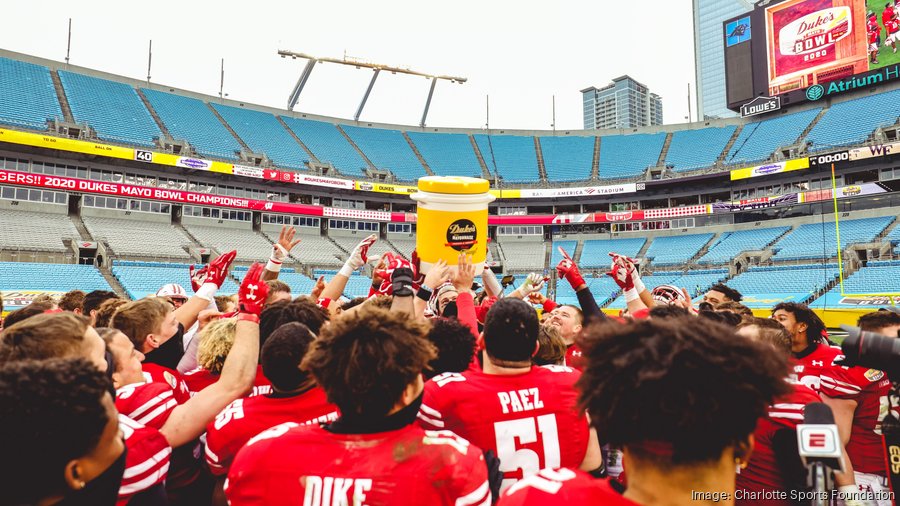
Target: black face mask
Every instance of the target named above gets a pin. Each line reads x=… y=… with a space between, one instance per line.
x=450 y=310
x=102 y=490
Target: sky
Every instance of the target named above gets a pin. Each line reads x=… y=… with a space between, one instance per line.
x=520 y=54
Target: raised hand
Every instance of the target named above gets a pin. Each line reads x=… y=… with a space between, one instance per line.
x=359 y=256
x=534 y=282
x=465 y=274
x=437 y=275
x=318 y=289
x=207 y=280
x=253 y=291
x=282 y=248
x=566 y=268
x=622 y=276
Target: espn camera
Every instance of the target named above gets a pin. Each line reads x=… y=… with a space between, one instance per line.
x=869 y=349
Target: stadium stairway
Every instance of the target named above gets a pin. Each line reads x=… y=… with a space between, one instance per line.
x=298 y=141
x=595 y=165
x=79 y=226
x=358 y=150
x=484 y=169
x=661 y=161
x=418 y=153
x=734 y=137
x=61 y=95
x=228 y=127
x=196 y=243
x=153 y=114
x=703 y=250
x=812 y=124
x=542 y=169
x=106 y=272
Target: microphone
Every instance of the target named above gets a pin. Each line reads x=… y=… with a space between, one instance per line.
x=818 y=438
x=819 y=444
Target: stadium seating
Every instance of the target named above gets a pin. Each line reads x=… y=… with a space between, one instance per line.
x=27 y=97
x=403 y=245
x=815 y=240
x=511 y=156
x=676 y=249
x=299 y=283
x=114 y=110
x=696 y=149
x=732 y=244
x=263 y=133
x=894 y=235
x=250 y=245
x=31 y=231
x=757 y=141
x=190 y=119
x=855 y=120
x=629 y=155
x=761 y=285
x=314 y=250
x=523 y=256
x=568 y=158
x=15 y=276
x=695 y=282
x=141 y=279
x=139 y=238
x=388 y=150
x=357 y=286
x=595 y=253
x=556 y=256
x=876 y=277
x=603 y=288
x=447 y=154
x=327 y=144
x=348 y=243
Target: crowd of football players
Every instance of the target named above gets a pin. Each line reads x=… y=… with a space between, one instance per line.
x=437 y=389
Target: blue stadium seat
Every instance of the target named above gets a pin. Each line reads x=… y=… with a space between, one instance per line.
x=27 y=97
x=556 y=256
x=732 y=244
x=388 y=149
x=568 y=158
x=511 y=156
x=327 y=144
x=357 y=286
x=15 y=276
x=676 y=249
x=758 y=140
x=697 y=149
x=695 y=282
x=629 y=155
x=602 y=287
x=803 y=280
x=447 y=154
x=815 y=240
x=140 y=281
x=264 y=134
x=595 y=253
x=114 y=110
x=190 y=119
x=855 y=120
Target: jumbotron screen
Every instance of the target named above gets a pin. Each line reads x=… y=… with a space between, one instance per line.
x=809 y=49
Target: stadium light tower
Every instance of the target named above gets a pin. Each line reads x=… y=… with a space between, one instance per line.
x=353 y=62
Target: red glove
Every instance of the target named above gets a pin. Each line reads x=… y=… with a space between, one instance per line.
x=391 y=262
x=209 y=278
x=418 y=276
x=621 y=274
x=253 y=292
x=566 y=268
x=198 y=277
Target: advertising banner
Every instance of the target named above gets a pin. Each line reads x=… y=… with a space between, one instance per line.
x=757 y=203
x=586 y=191
x=770 y=168
x=243 y=170
x=767 y=300
x=329 y=182
x=17 y=299
x=874 y=151
x=385 y=188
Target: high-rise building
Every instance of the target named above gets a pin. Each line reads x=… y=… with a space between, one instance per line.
x=709 y=53
x=624 y=103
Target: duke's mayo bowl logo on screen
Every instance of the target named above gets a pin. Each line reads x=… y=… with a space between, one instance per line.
x=815 y=92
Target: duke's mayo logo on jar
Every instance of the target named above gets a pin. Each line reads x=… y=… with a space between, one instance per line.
x=462 y=235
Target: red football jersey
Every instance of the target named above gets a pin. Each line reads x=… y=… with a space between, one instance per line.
x=574 y=357
x=200 y=378
x=245 y=418
x=886 y=16
x=562 y=486
x=892 y=26
x=147 y=460
x=764 y=472
x=290 y=463
x=530 y=420
x=874 y=31
x=809 y=365
x=149 y=404
x=160 y=374
x=870 y=389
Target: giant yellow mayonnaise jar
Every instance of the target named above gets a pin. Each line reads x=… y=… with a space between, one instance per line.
x=452 y=217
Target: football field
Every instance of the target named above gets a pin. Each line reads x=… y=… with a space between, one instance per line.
x=886 y=54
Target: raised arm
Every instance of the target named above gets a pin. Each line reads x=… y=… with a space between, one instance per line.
x=358 y=257
x=205 y=282
x=189 y=420
x=568 y=269
x=280 y=252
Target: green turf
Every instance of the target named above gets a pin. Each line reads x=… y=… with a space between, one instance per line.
x=886 y=55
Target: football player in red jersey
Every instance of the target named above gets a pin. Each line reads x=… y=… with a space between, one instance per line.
x=889 y=20
x=811 y=353
x=681 y=396
x=873 y=32
x=369 y=362
x=59 y=434
x=775 y=464
x=215 y=342
x=528 y=415
x=296 y=398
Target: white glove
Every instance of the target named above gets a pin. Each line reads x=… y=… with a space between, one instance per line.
x=533 y=283
x=359 y=256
